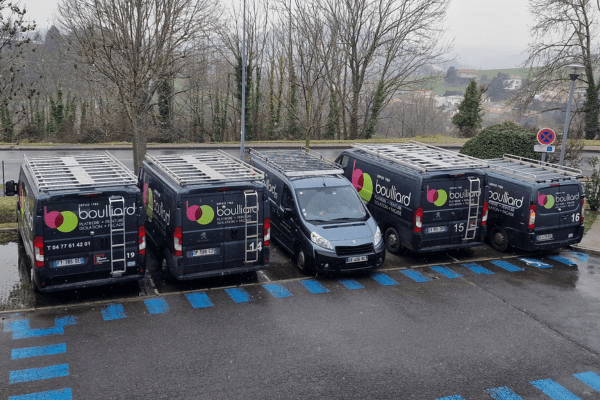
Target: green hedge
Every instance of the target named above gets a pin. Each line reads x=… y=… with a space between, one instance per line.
x=505 y=138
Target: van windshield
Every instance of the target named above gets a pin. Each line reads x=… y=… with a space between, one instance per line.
x=340 y=203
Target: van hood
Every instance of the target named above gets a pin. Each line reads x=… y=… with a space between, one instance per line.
x=346 y=232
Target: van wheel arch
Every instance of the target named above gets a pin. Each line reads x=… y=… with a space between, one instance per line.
x=392 y=240
x=301 y=261
x=498 y=238
x=34 y=285
x=165 y=270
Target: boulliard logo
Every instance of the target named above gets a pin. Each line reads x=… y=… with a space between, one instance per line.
x=201 y=214
x=64 y=221
x=437 y=197
x=363 y=183
x=547 y=201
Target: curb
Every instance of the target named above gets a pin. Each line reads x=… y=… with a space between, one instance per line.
x=585 y=249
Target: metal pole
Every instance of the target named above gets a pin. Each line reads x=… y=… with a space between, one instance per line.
x=3 y=181
x=566 y=129
x=243 y=84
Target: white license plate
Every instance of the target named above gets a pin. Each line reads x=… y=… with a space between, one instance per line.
x=70 y=261
x=544 y=237
x=436 y=229
x=203 y=252
x=356 y=259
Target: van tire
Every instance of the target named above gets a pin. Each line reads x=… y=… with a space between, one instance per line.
x=392 y=240
x=165 y=271
x=34 y=285
x=301 y=262
x=498 y=238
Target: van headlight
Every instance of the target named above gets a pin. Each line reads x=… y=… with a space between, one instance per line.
x=377 y=237
x=321 y=241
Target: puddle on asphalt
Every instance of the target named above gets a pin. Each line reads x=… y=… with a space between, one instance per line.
x=15 y=289
x=589 y=280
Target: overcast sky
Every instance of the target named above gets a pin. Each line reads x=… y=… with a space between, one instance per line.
x=499 y=28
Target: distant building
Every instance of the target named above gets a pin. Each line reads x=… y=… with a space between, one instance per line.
x=466 y=73
x=513 y=82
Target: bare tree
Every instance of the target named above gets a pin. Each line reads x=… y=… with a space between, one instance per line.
x=565 y=32
x=133 y=43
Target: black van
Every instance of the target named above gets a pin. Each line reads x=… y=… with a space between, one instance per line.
x=208 y=214
x=81 y=221
x=534 y=205
x=317 y=216
x=423 y=197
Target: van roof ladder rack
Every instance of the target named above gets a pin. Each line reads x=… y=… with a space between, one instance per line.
x=81 y=171
x=302 y=162
x=421 y=156
x=204 y=167
x=533 y=170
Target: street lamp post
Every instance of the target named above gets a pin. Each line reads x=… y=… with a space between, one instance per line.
x=575 y=71
x=243 y=84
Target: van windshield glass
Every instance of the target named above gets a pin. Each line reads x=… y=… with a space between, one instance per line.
x=330 y=204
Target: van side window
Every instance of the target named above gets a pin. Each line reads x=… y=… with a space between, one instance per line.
x=286 y=199
x=344 y=162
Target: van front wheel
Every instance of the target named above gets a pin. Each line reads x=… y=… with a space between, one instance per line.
x=498 y=238
x=392 y=240
x=301 y=261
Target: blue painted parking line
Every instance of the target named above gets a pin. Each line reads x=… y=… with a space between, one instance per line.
x=415 y=275
x=48 y=350
x=113 y=311
x=554 y=390
x=562 y=260
x=314 y=286
x=503 y=393
x=452 y=398
x=591 y=379
x=18 y=325
x=36 y=374
x=57 y=329
x=61 y=394
x=506 y=266
x=199 y=300
x=384 y=279
x=277 y=290
x=157 y=305
x=478 y=269
x=447 y=272
x=582 y=256
x=351 y=284
x=534 y=263
x=238 y=295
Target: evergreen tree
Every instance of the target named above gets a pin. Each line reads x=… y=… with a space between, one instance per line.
x=8 y=127
x=375 y=110
x=332 y=128
x=470 y=115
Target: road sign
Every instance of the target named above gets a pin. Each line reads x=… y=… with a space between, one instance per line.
x=543 y=149
x=546 y=136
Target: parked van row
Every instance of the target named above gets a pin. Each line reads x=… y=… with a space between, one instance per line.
x=84 y=220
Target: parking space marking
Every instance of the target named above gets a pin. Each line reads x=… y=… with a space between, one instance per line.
x=591 y=379
x=415 y=275
x=452 y=398
x=447 y=272
x=478 y=269
x=506 y=266
x=61 y=394
x=38 y=351
x=562 y=260
x=36 y=374
x=17 y=325
x=582 y=256
x=199 y=300
x=351 y=284
x=503 y=393
x=277 y=290
x=554 y=390
x=113 y=311
x=384 y=279
x=57 y=329
x=238 y=295
x=157 y=305
x=534 y=263
x=314 y=286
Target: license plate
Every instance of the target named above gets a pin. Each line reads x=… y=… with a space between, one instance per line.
x=544 y=237
x=436 y=229
x=356 y=259
x=203 y=252
x=70 y=261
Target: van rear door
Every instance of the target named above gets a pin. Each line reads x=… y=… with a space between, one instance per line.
x=568 y=201
x=438 y=212
x=243 y=213
x=466 y=187
x=203 y=236
x=547 y=213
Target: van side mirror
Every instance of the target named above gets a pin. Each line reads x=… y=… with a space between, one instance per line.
x=10 y=189
x=288 y=212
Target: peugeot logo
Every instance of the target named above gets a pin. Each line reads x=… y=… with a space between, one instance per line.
x=353 y=241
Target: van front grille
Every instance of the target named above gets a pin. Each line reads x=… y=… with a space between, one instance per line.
x=351 y=250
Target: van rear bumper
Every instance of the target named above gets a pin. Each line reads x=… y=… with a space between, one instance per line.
x=527 y=240
x=176 y=264
x=220 y=272
x=91 y=282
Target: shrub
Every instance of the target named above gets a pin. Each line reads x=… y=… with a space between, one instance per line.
x=505 y=138
x=592 y=186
